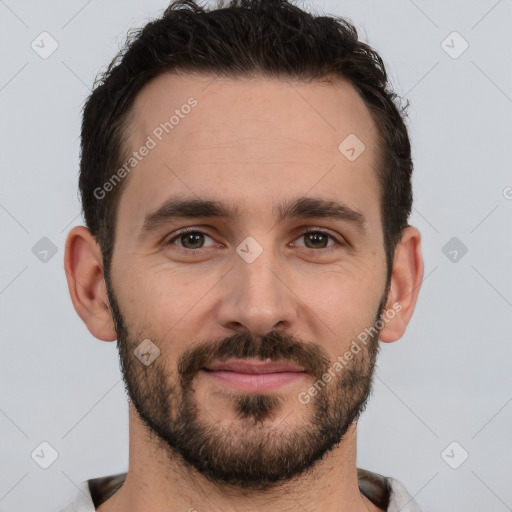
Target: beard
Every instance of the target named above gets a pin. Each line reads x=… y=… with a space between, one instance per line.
x=258 y=449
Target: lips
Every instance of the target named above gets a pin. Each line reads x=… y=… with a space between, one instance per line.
x=254 y=366
x=254 y=376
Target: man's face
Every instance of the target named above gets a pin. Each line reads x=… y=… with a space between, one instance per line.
x=267 y=284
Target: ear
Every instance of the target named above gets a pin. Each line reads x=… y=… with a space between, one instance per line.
x=83 y=263
x=406 y=278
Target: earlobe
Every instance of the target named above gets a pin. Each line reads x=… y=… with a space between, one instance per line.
x=405 y=285
x=83 y=264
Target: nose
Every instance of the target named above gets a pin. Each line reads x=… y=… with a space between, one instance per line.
x=256 y=296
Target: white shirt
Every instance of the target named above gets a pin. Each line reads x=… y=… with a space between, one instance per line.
x=387 y=493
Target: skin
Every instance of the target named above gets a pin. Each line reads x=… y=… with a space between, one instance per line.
x=254 y=143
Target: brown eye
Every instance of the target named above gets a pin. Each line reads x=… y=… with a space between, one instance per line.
x=190 y=240
x=317 y=239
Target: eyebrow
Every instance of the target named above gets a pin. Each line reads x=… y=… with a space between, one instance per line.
x=303 y=207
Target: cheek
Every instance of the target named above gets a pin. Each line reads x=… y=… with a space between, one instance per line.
x=352 y=284
x=164 y=303
x=344 y=301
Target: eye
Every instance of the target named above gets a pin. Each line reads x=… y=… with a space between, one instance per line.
x=317 y=239
x=190 y=239
x=194 y=240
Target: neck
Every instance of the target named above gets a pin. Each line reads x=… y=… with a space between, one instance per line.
x=157 y=481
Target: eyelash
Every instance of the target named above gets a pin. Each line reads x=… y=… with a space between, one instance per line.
x=202 y=249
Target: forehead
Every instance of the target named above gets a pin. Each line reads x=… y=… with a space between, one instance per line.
x=246 y=140
x=316 y=113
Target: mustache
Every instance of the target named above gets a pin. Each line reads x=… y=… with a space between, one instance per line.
x=274 y=346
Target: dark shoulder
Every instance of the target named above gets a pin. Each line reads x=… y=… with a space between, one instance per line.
x=375 y=487
x=104 y=487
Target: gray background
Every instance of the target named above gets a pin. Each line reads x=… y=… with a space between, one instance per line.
x=449 y=378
